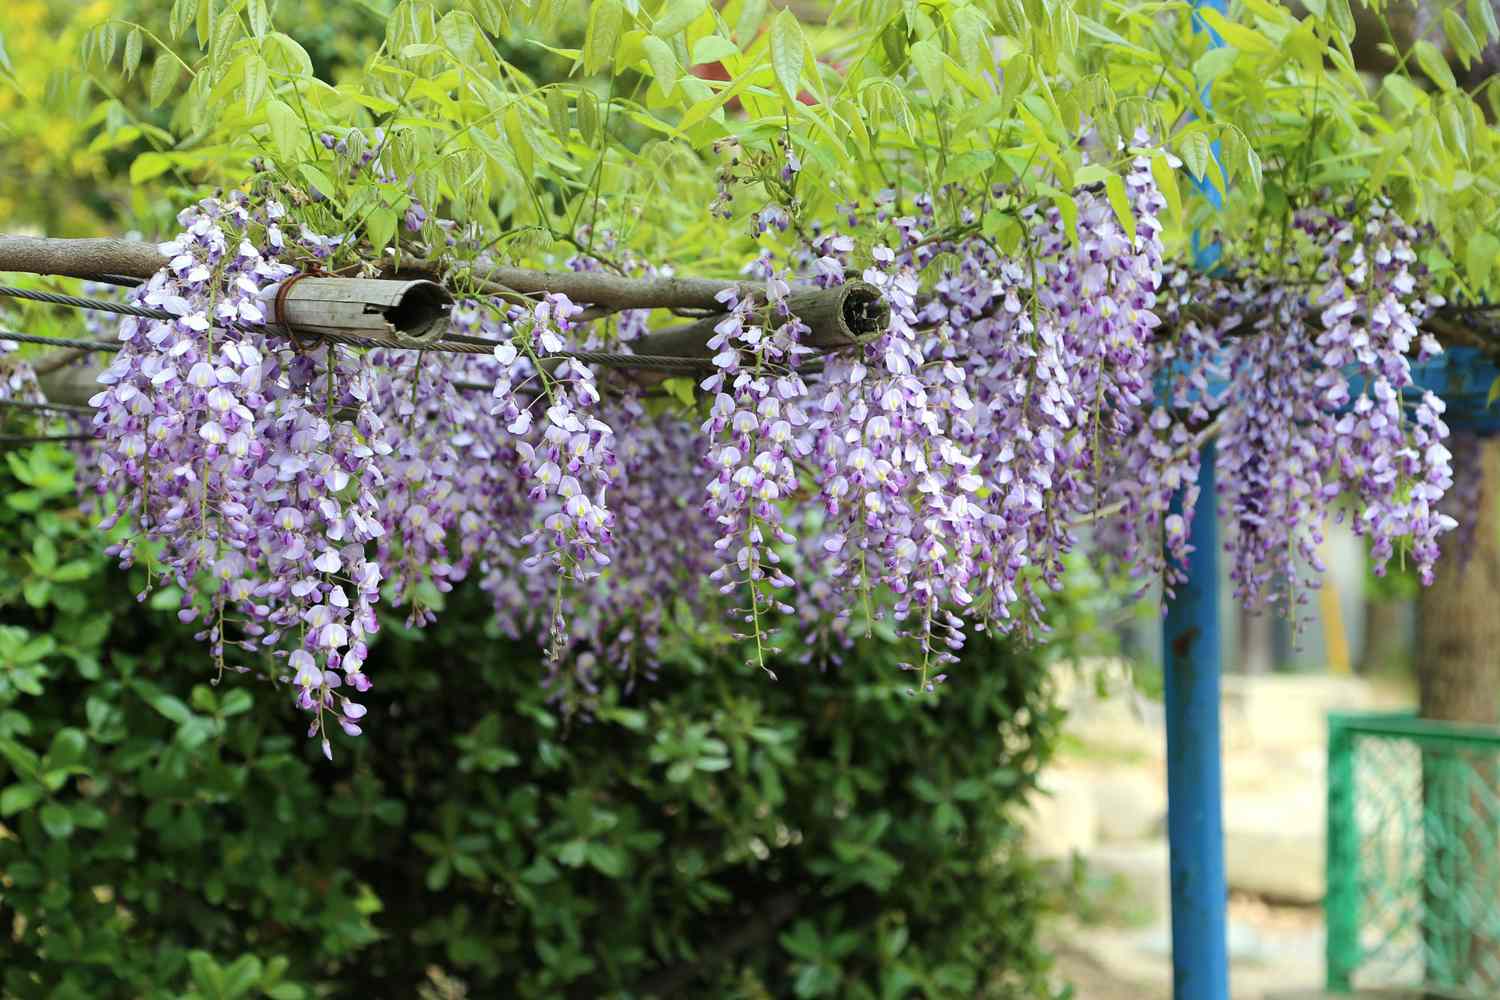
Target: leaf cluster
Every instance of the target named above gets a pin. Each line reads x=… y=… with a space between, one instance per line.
x=711 y=833
x=548 y=124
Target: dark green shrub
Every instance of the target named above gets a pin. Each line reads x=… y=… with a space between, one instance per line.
x=712 y=833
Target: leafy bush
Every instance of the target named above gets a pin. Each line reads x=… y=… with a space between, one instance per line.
x=710 y=833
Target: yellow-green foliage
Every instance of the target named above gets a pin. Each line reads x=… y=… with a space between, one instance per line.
x=534 y=118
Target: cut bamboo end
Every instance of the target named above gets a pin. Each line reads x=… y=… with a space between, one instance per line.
x=407 y=313
x=843 y=316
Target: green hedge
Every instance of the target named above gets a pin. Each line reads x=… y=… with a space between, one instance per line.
x=712 y=833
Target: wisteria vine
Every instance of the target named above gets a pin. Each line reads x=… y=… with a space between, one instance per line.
x=1022 y=404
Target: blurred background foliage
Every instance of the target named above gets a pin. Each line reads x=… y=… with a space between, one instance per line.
x=71 y=130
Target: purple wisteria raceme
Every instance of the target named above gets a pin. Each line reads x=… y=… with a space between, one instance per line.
x=226 y=447
x=752 y=430
x=1020 y=406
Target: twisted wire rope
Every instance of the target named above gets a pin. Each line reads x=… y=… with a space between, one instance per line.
x=455 y=345
x=80 y=345
x=22 y=404
x=78 y=302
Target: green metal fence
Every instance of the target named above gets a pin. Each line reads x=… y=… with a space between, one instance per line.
x=1413 y=855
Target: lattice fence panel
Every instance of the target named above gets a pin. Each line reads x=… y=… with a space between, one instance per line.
x=1414 y=856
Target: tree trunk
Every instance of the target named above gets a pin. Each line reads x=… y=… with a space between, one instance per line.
x=1256 y=639
x=1383 y=647
x=1458 y=679
x=1458 y=617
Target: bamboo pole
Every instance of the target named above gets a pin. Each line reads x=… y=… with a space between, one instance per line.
x=837 y=317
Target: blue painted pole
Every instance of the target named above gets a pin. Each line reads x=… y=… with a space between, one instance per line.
x=1195 y=818
x=1195 y=824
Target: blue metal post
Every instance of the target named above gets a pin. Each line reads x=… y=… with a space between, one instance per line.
x=1195 y=819
x=1195 y=825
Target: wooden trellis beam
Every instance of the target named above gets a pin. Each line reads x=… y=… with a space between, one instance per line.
x=408 y=313
x=93 y=258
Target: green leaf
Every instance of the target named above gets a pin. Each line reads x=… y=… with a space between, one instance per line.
x=133 y=44
x=966 y=165
x=607 y=859
x=285 y=54
x=663 y=63
x=24 y=761
x=43 y=555
x=207 y=975
x=257 y=81
x=588 y=116
x=260 y=19
x=1067 y=207
x=928 y=58
x=1013 y=19
x=752 y=12
x=1196 y=150
x=678 y=14
x=1465 y=45
x=1433 y=64
x=1342 y=16
x=459 y=31
x=1242 y=160
x=712 y=49
x=380 y=227
x=1454 y=125
x=170 y=706
x=241 y=976
x=89 y=816
x=1114 y=187
x=236 y=702
x=36 y=590
x=57 y=820
x=286 y=128
x=1401 y=90
x=1494 y=392
x=606 y=18
x=68 y=747
x=681 y=389
x=520 y=143
x=704 y=108
x=17 y=798
x=1482 y=20
x=106 y=37
x=25 y=501
x=164 y=73
x=1213 y=64
x=318 y=179
x=973 y=31
x=788 y=49
x=1018 y=74
x=1004 y=230
x=1243 y=38
x=1253 y=169
x=1479 y=258
x=557 y=112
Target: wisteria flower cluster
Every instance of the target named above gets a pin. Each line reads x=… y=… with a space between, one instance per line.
x=18 y=381
x=1312 y=394
x=1018 y=405
x=247 y=462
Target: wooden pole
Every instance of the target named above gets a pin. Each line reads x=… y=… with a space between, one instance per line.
x=80 y=258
